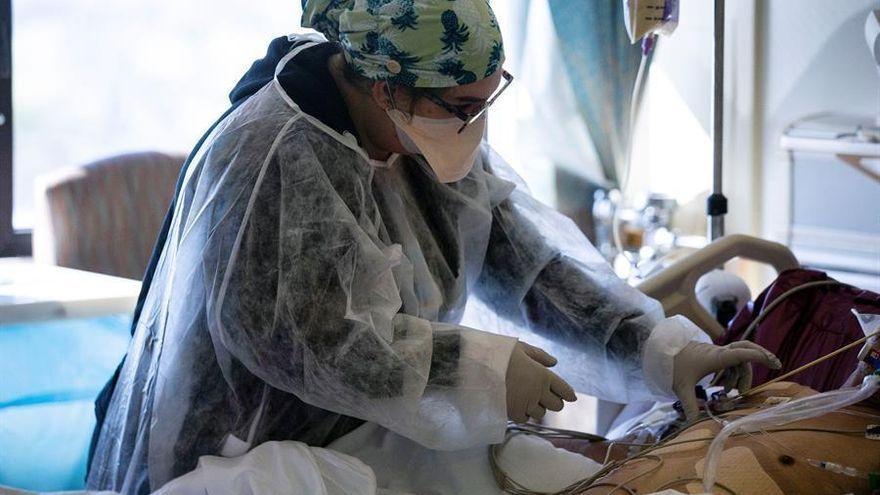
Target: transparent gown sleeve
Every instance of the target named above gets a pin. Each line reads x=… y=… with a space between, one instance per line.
x=546 y=278
x=305 y=296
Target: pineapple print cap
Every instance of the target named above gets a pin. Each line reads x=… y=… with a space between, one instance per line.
x=416 y=43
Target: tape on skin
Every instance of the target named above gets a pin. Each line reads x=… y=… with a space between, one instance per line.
x=741 y=471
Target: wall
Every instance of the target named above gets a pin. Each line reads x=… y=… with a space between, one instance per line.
x=813 y=58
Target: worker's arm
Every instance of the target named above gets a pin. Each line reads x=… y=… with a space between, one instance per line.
x=543 y=274
x=611 y=340
x=306 y=298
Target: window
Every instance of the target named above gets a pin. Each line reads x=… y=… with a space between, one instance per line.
x=672 y=152
x=538 y=128
x=7 y=237
x=535 y=126
x=94 y=79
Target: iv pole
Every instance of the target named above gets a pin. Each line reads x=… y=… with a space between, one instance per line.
x=716 y=205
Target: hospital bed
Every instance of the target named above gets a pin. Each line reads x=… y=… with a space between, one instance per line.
x=675 y=286
x=63 y=468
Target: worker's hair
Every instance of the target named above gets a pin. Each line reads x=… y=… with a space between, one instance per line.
x=365 y=85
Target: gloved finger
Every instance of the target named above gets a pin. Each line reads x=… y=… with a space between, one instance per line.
x=561 y=388
x=688 y=398
x=772 y=361
x=729 y=378
x=537 y=412
x=745 y=378
x=539 y=355
x=731 y=357
x=551 y=401
x=519 y=417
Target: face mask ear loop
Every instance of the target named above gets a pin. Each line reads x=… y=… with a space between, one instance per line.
x=393 y=103
x=390 y=95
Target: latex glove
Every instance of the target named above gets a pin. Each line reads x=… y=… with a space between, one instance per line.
x=531 y=387
x=698 y=359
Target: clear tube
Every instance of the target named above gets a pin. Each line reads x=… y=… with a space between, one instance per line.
x=869 y=355
x=870 y=325
x=804 y=408
x=634 y=105
x=836 y=468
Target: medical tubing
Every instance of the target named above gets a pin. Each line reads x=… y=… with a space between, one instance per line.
x=634 y=105
x=800 y=409
x=837 y=468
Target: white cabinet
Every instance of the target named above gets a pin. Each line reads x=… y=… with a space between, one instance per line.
x=835 y=196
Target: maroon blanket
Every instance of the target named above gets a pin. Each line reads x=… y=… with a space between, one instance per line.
x=806 y=326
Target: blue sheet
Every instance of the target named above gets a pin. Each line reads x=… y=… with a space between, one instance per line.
x=50 y=374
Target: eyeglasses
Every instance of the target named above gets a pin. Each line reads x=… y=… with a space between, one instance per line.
x=470 y=117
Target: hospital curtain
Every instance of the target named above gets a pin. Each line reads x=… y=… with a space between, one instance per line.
x=601 y=65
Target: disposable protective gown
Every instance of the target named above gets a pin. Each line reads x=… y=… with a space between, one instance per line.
x=305 y=288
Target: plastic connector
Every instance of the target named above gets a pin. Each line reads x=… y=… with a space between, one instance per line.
x=716 y=205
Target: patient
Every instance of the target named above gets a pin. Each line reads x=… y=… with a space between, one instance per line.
x=776 y=461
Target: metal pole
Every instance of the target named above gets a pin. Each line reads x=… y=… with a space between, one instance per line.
x=716 y=206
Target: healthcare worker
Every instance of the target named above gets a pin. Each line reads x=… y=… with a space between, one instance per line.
x=326 y=237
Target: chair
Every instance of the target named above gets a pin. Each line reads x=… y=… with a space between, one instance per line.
x=105 y=216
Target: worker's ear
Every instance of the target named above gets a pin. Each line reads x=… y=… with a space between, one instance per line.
x=381 y=93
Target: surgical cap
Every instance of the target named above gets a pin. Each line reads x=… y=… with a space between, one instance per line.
x=417 y=43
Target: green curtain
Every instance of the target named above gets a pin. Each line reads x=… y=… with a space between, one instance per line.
x=602 y=66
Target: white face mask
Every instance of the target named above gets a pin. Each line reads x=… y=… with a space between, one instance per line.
x=451 y=155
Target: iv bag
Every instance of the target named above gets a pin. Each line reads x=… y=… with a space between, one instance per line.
x=645 y=17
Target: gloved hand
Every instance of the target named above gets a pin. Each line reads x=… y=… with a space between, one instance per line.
x=531 y=387
x=699 y=359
